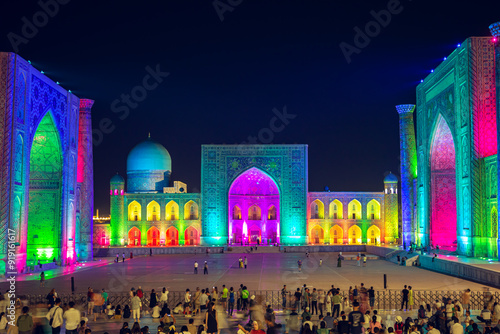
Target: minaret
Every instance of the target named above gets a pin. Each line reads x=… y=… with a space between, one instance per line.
x=117 y=187
x=408 y=163
x=391 y=208
x=85 y=181
x=495 y=32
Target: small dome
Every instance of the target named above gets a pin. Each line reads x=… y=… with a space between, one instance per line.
x=148 y=156
x=117 y=179
x=390 y=178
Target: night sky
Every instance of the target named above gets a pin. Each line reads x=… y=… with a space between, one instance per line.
x=226 y=76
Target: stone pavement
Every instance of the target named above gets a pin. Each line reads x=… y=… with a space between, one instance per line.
x=265 y=272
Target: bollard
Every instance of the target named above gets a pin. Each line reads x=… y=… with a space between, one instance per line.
x=385 y=281
x=72 y=285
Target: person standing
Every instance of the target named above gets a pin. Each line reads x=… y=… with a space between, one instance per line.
x=117 y=257
x=244 y=298
x=356 y=319
x=153 y=299
x=321 y=302
x=230 y=304
x=364 y=261
x=358 y=258
x=410 y=297
x=196 y=301
x=223 y=297
x=73 y=319
x=105 y=296
x=299 y=263
x=55 y=317
x=136 y=307
x=314 y=301
x=164 y=296
x=211 y=320
x=187 y=302
x=339 y=261
x=196 y=267
x=466 y=300
x=320 y=262
x=246 y=262
x=42 y=279
x=283 y=296
x=405 y=294
x=371 y=296
x=205 y=268
x=25 y=322
x=337 y=300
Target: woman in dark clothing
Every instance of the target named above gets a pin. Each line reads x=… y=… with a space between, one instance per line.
x=126 y=312
x=211 y=320
x=153 y=301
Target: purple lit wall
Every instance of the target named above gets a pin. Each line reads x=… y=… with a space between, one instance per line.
x=443 y=229
x=253 y=209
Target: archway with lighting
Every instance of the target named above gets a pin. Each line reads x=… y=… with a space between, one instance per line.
x=134 y=237
x=191 y=236
x=254 y=200
x=336 y=235
x=172 y=235
x=45 y=189
x=354 y=235
x=317 y=235
x=443 y=227
x=153 y=237
x=373 y=235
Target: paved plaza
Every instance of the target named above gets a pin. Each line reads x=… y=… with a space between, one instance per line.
x=265 y=272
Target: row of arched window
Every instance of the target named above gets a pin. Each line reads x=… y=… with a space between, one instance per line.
x=254 y=213
x=171 y=211
x=336 y=210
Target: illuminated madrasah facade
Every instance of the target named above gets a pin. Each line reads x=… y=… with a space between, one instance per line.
x=250 y=194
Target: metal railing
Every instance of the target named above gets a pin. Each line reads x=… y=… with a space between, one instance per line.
x=384 y=299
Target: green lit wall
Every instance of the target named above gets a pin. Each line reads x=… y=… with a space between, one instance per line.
x=44 y=218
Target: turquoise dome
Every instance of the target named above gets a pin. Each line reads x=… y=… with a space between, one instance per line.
x=148 y=156
x=117 y=179
x=391 y=178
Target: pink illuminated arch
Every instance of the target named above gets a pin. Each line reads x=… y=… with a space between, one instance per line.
x=443 y=227
x=253 y=209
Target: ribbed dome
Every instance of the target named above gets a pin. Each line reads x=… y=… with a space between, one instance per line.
x=117 y=179
x=148 y=156
x=391 y=178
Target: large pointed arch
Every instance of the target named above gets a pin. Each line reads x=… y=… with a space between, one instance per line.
x=336 y=209
x=172 y=236
x=354 y=234
x=354 y=209
x=134 y=237
x=172 y=211
x=373 y=209
x=191 y=210
x=134 y=211
x=443 y=225
x=317 y=235
x=153 y=235
x=255 y=192
x=317 y=209
x=153 y=211
x=336 y=235
x=45 y=193
x=373 y=235
x=191 y=236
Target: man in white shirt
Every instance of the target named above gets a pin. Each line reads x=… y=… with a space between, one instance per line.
x=457 y=327
x=196 y=267
x=56 y=314
x=73 y=318
x=203 y=300
x=449 y=309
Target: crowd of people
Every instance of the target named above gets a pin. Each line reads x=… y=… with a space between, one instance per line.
x=306 y=310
